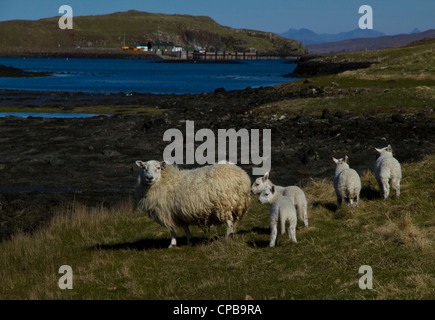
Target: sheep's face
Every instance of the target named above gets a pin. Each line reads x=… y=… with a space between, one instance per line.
x=267 y=195
x=150 y=171
x=260 y=184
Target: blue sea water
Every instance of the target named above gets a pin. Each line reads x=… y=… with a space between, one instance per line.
x=143 y=76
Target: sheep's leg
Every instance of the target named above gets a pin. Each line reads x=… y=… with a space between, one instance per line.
x=230 y=229
x=305 y=216
x=188 y=234
x=292 y=232
x=281 y=229
x=385 y=188
x=273 y=233
x=381 y=188
x=339 y=200
x=301 y=209
x=173 y=240
x=395 y=184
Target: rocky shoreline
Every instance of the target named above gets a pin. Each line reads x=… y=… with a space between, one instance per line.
x=50 y=163
x=309 y=67
x=6 y=71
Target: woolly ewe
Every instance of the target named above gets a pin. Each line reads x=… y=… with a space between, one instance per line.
x=205 y=196
x=282 y=214
x=296 y=195
x=387 y=172
x=347 y=183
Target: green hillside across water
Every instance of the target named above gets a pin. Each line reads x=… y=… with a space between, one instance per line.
x=111 y=30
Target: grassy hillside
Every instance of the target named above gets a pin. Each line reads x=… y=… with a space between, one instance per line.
x=107 y=31
x=119 y=253
x=400 y=80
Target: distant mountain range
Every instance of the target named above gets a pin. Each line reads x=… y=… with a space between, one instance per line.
x=308 y=37
x=355 y=40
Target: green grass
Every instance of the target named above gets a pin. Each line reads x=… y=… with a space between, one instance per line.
x=401 y=80
x=119 y=253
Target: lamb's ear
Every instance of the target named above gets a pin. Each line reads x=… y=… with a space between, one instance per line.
x=346 y=159
x=141 y=164
x=335 y=160
x=389 y=148
x=266 y=177
x=378 y=150
x=163 y=164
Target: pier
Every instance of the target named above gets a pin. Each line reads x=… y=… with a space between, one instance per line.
x=232 y=55
x=223 y=55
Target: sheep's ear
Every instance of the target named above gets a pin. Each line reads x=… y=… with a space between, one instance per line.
x=389 y=148
x=141 y=164
x=346 y=159
x=378 y=150
x=272 y=189
x=163 y=164
x=266 y=177
x=335 y=160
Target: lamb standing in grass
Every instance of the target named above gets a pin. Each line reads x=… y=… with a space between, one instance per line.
x=347 y=183
x=296 y=195
x=387 y=172
x=282 y=214
x=205 y=196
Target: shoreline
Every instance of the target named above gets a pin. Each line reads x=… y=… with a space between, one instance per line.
x=11 y=72
x=81 y=53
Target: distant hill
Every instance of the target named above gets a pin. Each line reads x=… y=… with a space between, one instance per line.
x=362 y=44
x=108 y=31
x=308 y=37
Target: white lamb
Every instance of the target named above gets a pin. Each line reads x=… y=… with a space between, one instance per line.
x=387 y=171
x=296 y=195
x=282 y=214
x=347 y=183
x=205 y=196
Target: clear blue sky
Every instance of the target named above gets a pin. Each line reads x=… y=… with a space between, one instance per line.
x=321 y=16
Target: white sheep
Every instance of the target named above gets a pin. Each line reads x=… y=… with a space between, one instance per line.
x=282 y=214
x=205 y=196
x=347 y=183
x=387 y=171
x=296 y=195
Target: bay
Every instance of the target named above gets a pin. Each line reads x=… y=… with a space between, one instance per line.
x=143 y=76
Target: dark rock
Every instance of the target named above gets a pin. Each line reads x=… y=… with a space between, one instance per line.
x=220 y=90
x=397 y=117
x=326 y=114
x=319 y=68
